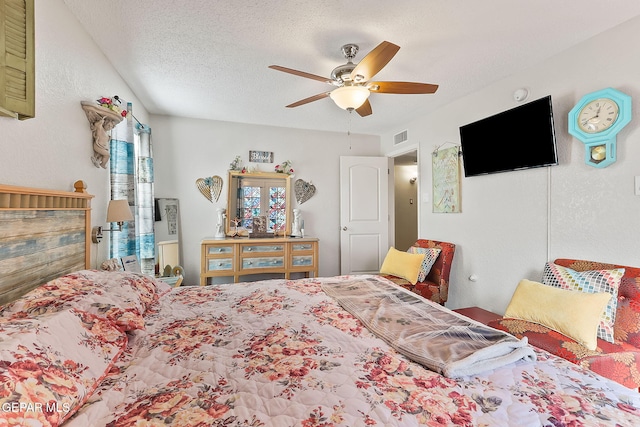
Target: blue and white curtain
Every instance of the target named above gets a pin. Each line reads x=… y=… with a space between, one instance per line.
x=132 y=179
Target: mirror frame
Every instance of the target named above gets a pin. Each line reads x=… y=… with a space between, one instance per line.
x=232 y=197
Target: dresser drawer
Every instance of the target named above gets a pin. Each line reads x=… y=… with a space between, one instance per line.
x=263 y=262
x=218 y=250
x=220 y=264
x=250 y=249
x=302 y=261
x=300 y=247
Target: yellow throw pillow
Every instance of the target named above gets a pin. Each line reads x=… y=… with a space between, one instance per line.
x=572 y=313
x=402 y=264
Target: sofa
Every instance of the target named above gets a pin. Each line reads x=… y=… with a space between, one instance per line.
x=618 y=360
x=435 y=286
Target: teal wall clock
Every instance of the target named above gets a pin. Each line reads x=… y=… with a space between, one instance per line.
x=596 y=120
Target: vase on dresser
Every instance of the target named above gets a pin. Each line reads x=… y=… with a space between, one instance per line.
x=222 y=214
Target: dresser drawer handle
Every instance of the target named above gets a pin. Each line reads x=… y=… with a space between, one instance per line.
x=220 y=249
x=249 y=249
x=249 y=262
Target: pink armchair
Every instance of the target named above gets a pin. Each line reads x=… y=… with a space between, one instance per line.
x=436 y=285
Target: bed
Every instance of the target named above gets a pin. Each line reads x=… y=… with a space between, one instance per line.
x=93 y=348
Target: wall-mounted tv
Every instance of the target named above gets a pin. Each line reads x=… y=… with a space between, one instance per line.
x=520 y=138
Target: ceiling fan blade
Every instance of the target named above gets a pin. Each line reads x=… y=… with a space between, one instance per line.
x=364 y=109
x=309 y=99
x=301 y=74
x=401 y=87
x=374 y=61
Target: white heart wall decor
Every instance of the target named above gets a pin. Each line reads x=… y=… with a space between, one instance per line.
x=304 y=190
x=210 y=187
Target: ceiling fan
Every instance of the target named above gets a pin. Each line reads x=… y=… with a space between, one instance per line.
x=353 y=81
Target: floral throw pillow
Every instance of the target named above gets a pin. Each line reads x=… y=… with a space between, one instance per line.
x=592 y=281
x=430 y=257
x=145 y=289
x=121 y=297
x=52 y=363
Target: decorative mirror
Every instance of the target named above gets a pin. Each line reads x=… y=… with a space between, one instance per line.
x=260 y=194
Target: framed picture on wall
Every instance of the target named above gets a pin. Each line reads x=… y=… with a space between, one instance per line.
x=446 y=180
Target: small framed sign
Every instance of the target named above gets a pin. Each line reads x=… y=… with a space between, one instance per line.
x=130 y=263
x=260 y=227
x=261 y=156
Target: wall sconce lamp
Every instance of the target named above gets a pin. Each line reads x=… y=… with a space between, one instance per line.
x=118 y=212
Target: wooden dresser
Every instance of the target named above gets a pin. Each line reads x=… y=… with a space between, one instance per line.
x=243 y=256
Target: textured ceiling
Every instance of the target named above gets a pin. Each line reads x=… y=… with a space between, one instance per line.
x=208 y=59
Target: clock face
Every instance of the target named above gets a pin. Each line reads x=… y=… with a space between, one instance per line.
x=598 y=115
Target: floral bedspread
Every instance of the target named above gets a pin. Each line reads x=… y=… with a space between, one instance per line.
x=282 y=353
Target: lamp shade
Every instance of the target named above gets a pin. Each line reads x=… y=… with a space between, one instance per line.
x=349 y=97
x=119 y=211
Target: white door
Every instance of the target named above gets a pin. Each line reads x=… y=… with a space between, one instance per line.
x=364 y=214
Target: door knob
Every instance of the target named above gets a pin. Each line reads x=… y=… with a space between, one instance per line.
x=344 y=228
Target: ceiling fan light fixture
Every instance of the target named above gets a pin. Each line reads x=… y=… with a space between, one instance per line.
x=352 y=82
x=350 y=97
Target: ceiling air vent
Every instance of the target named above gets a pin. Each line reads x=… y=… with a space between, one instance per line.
x=400 y=137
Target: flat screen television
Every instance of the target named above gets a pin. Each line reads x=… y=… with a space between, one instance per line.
x=520 y=138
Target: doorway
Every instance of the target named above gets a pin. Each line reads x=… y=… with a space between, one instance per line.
x=406 y=199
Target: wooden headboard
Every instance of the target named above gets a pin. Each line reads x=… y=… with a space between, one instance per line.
x=43 y=234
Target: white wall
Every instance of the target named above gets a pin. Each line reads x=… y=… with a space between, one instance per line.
x=512 y=223
x=54 y=149
x=188 y=149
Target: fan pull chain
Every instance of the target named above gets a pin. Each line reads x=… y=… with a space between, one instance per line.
x=349 y=128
